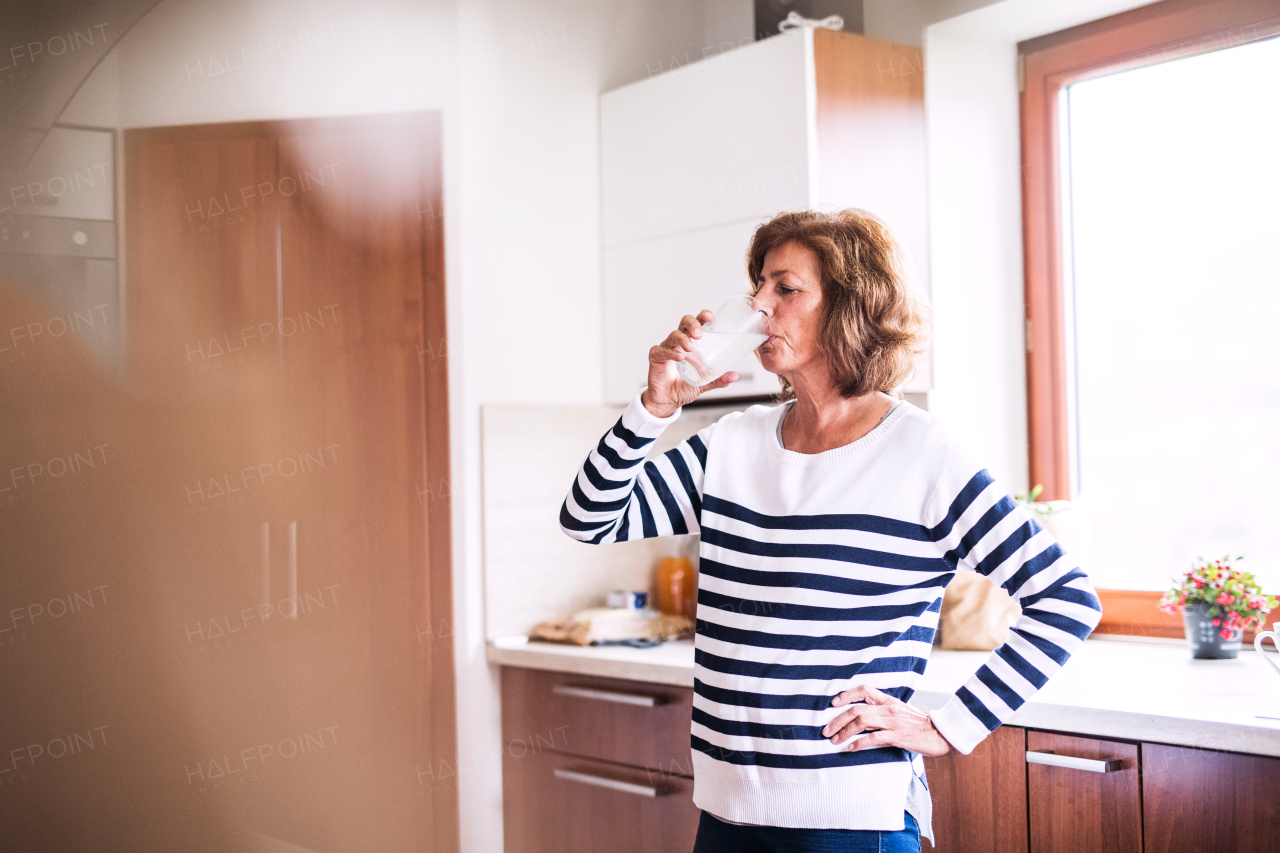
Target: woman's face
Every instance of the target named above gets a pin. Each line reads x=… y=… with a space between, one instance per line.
x=790 y=290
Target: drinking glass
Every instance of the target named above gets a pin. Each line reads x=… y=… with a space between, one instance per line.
x=736 y=329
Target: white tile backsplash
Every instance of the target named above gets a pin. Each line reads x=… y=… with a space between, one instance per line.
x=533 y=571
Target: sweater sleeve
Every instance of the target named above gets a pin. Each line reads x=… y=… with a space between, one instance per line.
x=617 y=496
x=985 y=530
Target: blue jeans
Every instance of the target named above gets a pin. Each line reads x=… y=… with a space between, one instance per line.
x=716 y=836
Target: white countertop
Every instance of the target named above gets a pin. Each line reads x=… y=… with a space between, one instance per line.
x=1109 y=688
x=669 y=663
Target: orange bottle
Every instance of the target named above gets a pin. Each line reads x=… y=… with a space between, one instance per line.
x=677 y=584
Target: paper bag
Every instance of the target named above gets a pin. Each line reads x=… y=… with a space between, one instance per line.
x=976 y=614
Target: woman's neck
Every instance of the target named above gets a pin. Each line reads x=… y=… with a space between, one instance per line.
x=820 y=419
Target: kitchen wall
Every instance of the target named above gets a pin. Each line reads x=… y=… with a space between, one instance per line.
x=904 y=21
x=532 y=571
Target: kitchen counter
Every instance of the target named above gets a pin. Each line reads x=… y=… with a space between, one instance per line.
x=1109 y=688
x=669 y=663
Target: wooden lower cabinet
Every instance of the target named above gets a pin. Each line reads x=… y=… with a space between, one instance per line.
x=1154 y=799
x=1196 y=800
x=565 y=804
x=595 y=764
x=1072 y=809
x=980 y=799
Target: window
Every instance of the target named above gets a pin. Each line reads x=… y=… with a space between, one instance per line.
x=1152 y=228
x=1172 y=289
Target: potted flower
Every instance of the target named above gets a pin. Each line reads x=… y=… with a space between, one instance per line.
x=1218 y=604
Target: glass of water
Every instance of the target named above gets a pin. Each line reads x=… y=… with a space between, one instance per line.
x=736 y=329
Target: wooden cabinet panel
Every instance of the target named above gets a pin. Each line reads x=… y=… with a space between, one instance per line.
x=1072 y=810
x=1196 y=800
x=202 y=247
x=870 y=126
x=300 y=263
x=655 y=736
x=980 y=799
x=564 y=804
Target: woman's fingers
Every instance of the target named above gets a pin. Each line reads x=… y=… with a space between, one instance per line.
x=921 y=737
x=852 y=721
x=856 y=727
x=672 y=349
x=727 y=379
x=872 y=740
x=666 y=391
x=874 y=711
x=836 y=727
x=681 y=340
x=690 y=326
x=663 y=353
x=878 y=697
x=884 y=721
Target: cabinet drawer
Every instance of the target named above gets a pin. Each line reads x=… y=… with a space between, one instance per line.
x=630 y=722
x=1072 y=804
x=565 y=804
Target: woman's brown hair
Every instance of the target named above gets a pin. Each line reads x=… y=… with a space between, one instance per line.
x=873 y=324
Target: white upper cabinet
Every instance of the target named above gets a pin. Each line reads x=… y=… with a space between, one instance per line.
x=658 y=282
x=695 y=159
x=716 y=141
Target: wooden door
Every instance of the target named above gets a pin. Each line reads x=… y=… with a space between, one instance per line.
x=1195 y=799
x=980 y=799
x=354 y=253
x=325 y=427
x=1072 y=809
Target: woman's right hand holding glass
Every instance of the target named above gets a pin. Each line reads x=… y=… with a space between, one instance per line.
x=666 y=391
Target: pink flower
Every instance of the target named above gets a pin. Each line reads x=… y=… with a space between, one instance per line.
x=1225 y=634
x=1217 y=622
x=1226 y=598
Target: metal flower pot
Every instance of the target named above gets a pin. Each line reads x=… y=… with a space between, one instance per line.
x=1203 y=636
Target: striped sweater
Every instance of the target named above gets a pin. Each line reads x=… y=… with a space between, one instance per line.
x=819 y=572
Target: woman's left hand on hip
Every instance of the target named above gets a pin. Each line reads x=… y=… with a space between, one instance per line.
x=887 y=722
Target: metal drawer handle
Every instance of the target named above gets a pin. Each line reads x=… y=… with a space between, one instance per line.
x=609 y=695
x=606 y=782
x=1048 y=758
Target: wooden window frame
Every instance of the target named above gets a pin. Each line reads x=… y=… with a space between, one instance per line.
x=1148 y=35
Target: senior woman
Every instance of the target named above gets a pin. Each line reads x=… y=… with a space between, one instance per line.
x=830 y=526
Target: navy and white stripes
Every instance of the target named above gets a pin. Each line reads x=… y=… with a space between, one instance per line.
x=819 y=573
